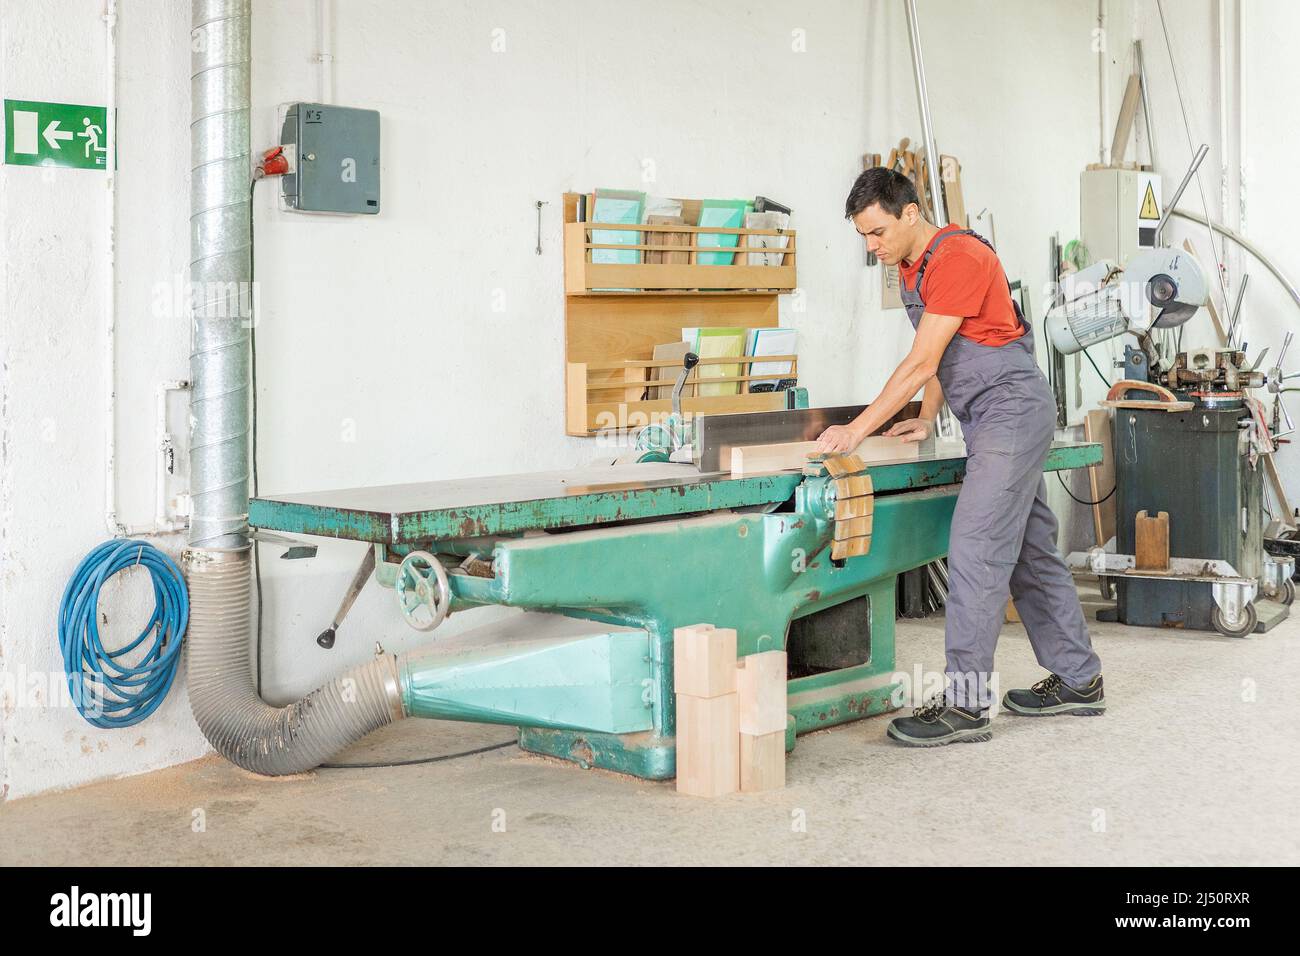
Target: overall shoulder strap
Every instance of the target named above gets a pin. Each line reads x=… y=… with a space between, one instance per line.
x=972 y=232
x=934 y=244
x=925 y=261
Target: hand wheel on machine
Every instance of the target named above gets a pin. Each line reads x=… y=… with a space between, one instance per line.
x=423 y=591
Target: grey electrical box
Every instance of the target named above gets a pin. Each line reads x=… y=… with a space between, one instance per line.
x=335 y=159
x=1119 y=210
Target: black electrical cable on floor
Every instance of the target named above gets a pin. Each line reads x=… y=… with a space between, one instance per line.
x=420 y=760
x=1080 y=500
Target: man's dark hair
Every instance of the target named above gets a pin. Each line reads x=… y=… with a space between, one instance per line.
x=878 y=185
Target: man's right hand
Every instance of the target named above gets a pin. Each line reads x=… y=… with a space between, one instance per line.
x=913 y=429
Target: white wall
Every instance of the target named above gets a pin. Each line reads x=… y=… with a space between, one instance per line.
x=381 y=358
x=51 y=476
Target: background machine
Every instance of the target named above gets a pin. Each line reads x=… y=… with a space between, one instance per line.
x=1189 y=443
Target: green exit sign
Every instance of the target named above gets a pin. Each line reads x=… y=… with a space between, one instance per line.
x=55 y=134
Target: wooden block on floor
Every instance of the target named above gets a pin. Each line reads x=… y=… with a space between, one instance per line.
x=762 y=762
x=760 y=692
x=1151 y=542
x=708 y=745
x=704 y=660
x=1013 y=616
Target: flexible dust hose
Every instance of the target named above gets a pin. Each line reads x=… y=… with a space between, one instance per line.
x=243 y=728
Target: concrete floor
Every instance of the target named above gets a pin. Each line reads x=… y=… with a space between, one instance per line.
x=1196 y=762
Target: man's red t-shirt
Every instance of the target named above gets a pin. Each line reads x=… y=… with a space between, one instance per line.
x=965 y=279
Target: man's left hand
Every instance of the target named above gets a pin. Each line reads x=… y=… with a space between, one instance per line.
x=913 y=429
x=839 y=439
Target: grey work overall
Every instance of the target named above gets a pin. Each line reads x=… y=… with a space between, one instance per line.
x=1003 y=537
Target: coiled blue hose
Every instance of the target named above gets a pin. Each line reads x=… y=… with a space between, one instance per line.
x=108 y=693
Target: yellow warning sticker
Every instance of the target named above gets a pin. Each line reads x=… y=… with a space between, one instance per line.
x=1150 y=209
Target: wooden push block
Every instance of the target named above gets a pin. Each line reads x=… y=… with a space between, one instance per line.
x=760 y=692
x=762 y=761
x=704 y=660
x=708 y=745
x=1151 y=542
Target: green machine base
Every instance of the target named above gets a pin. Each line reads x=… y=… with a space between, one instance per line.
x=611 y=560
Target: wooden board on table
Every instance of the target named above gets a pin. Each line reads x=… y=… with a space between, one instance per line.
x=780 y=456
x=789 y=456
x=886 y=448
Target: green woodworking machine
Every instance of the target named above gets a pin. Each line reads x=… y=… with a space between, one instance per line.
x=606 y=561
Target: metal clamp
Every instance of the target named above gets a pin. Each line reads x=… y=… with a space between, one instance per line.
x=1278 y=572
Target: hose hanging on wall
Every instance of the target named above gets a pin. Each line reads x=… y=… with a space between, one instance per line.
x=107 y=692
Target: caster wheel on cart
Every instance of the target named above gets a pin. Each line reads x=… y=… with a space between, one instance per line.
x=1245 y=626
x=1288 y=593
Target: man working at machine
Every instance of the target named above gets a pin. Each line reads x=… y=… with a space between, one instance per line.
x=974 y=349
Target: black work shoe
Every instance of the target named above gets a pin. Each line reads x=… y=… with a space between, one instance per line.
x=936 y=723
x=1052 y=695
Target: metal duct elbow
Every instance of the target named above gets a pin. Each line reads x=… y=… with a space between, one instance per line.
x=235 y=720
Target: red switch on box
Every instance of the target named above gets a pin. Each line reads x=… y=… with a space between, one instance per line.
x=274 y=162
